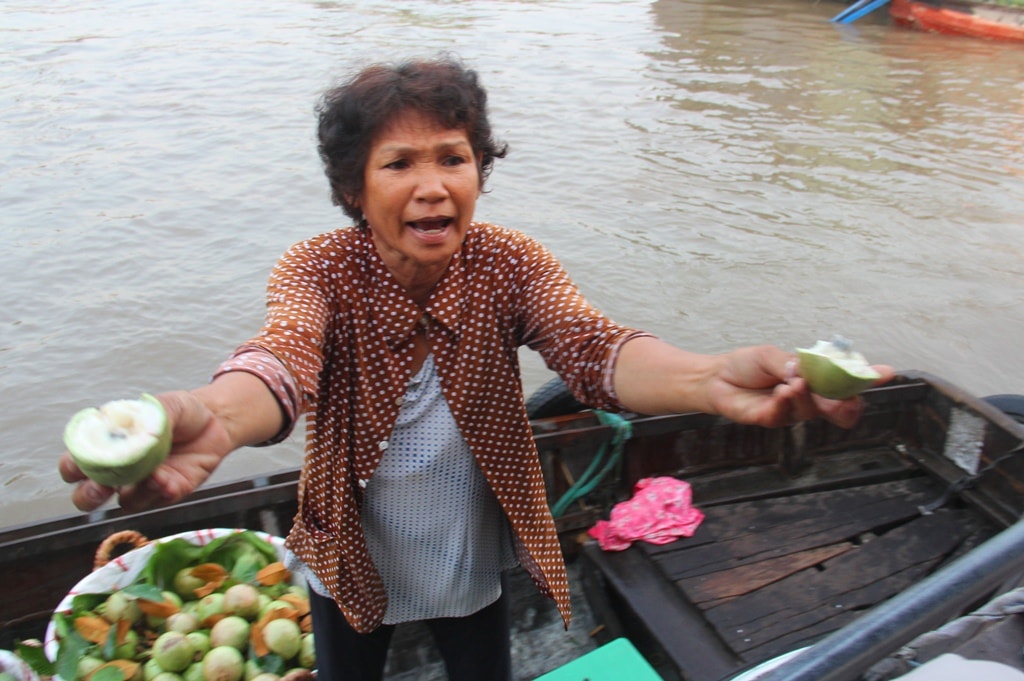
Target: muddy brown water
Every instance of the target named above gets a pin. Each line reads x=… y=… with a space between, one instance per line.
x=717 y=171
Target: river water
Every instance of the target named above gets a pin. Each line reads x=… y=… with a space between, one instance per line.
x=720 y=172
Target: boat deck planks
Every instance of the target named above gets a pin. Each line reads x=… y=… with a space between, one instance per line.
x=763 y=576
x=749 y=532
x=818 y=599
x=785 y=581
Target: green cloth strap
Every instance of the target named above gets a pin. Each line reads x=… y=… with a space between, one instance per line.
x=602 y=463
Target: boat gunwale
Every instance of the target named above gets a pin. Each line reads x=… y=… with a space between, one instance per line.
x=551 y=434
x=914 y=401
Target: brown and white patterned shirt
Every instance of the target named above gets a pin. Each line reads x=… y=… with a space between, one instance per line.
x=343 y=328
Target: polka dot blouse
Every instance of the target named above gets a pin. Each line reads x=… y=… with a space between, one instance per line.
x=342 y=329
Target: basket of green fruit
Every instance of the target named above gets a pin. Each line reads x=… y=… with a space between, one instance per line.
x=205 y=605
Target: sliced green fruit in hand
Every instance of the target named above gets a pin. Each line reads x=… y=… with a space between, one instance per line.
x=121 y=442
x=834 y=370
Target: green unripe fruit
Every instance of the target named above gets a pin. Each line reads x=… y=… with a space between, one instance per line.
x=833 y=370
x=223 y=663
x=307 y=652
x=200 y=640
x=156 y=622
x=242 y=600
x=252 y=669
x=283 y=637
x=274 y=605
x=185 y=584
x=173 y=652
x=87 y=665
x=150 y=670
x=129 y=649
x=231 y=631
x=183 y=622
x=118 y=606
x=210 y=605
x=194 y=672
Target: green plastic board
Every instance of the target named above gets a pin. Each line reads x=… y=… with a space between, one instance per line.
x=614 y=661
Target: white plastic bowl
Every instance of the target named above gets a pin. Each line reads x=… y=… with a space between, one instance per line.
x=122 y=571
x=16 y=667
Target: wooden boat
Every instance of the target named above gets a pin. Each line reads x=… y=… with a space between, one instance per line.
x=809 y=529
x=996 y=19
x=788 y=512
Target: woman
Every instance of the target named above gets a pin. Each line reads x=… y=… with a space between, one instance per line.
x=397 y=338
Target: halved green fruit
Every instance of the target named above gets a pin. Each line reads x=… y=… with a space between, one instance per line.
x=834 y=370
x=121 y=442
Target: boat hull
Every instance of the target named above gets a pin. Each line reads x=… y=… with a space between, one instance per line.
x=975 y=19
x=807 y=529
x=832 y=508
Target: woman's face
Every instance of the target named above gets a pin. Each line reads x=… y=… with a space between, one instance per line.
x=421 y=186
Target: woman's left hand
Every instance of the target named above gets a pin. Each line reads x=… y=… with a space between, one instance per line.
x=760 y=385
x=757 y=385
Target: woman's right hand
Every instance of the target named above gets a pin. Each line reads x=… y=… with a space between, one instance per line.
x=200 y=443
x=207 y=424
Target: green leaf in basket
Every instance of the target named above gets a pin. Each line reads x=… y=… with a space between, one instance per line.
x=84 y=603
x=167 y=559
x=35 y=657
x=241 y=553
x=272 y=663
x=61 y=625
x=145 y=592
x=72 y=649
x=110 y=646
x=107 y=673
x=248 y=562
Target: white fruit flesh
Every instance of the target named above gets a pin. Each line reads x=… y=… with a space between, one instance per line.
x=118 y=432
x=850 y=361
x=121 y=442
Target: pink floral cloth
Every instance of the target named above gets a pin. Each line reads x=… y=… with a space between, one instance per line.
x=659 y=512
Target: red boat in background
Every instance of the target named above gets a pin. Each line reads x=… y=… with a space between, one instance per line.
x=996 y=19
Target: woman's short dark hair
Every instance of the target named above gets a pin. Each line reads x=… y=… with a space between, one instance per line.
x=352 y=114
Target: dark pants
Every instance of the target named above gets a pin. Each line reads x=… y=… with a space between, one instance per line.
x=474 y=648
